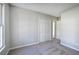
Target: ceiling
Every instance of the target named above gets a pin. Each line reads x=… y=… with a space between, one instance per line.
x=53 y=9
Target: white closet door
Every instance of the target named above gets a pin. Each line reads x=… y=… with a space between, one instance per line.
x=44 y=29
x=41 y=30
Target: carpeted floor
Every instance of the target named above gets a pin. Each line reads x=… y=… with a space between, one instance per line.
x=45 y=48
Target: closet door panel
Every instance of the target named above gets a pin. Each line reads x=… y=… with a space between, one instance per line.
x=41 y=29
x=44 y=29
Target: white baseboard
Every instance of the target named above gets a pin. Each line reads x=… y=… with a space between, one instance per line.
x=22 y=46
x=69 y=46
x=6 y=52
x=1 y=49
x=25 y=45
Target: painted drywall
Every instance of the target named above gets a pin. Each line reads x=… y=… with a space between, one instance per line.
x=5 y=17
x=58 y=22
x=28 y=27
x=53 y=9
x=53 y=29
x=70 y=28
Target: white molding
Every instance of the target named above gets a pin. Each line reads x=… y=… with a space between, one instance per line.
x=23 y=46
x=69 y=46
x=2 y=48
x=17 y=47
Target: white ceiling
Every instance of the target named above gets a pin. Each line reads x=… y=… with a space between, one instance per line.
x=54 y=9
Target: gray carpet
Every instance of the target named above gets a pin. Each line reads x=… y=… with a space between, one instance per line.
x=45 y=48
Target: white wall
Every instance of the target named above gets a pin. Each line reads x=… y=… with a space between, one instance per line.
x=25 y=25
x=6 y=31
x=58 y=22
x=70 y=28
x=53 y=28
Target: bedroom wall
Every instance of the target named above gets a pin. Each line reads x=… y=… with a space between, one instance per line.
x=28 y=27
x=70 y=28
x=58 y=22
